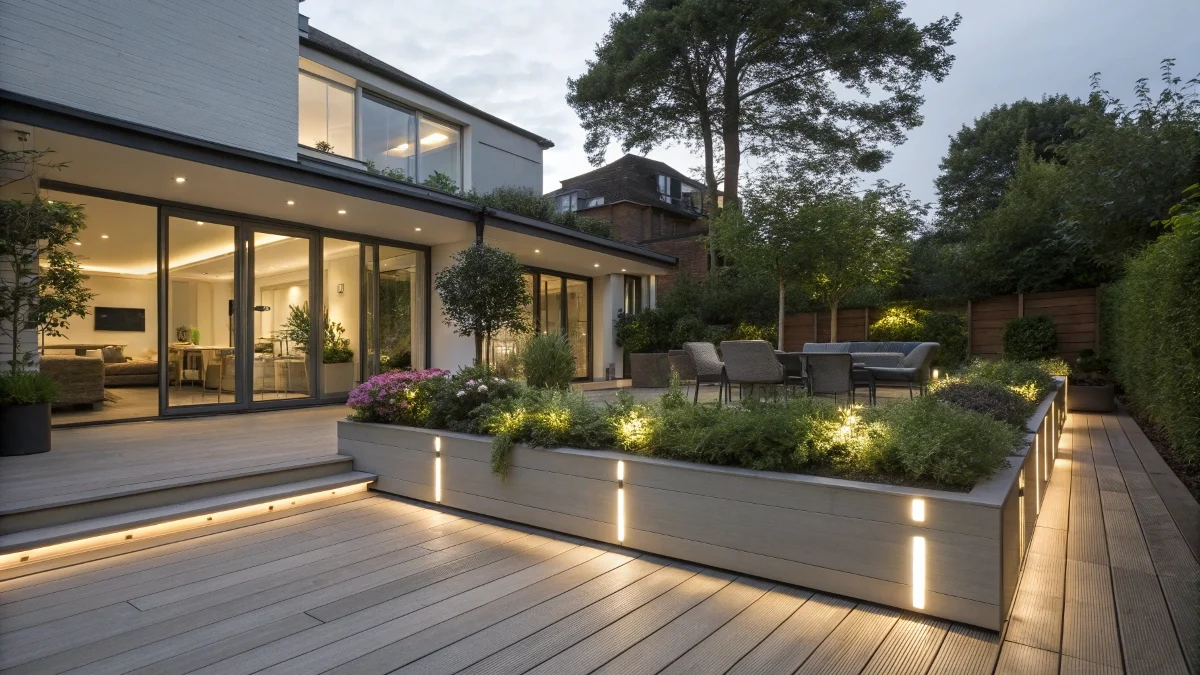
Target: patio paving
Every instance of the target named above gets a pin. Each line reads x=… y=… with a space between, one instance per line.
x=375 y=584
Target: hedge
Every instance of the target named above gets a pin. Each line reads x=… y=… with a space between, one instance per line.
x=1152 y=332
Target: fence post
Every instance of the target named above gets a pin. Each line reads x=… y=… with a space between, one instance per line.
x=815 y=317
x=969 y=312
x=1096 y=321
x=1020 y=305
x=866 y=324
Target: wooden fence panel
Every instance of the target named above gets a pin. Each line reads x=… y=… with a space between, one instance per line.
x=1075 y=314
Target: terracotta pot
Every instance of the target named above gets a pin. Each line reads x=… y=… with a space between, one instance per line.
x=24 y=429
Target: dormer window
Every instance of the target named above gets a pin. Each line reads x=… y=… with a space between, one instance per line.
x=568 y=202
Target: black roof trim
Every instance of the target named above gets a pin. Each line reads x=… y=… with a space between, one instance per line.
x=324 y=42
x=310 y=172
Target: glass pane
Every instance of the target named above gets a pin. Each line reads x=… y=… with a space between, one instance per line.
x=633 y=295
x=340 y=339
x=118 y=251
x=282 y=320
x=200 y=313
x=550 y=311
x=341 y=120
x=398 y=308
x=389 y=138
x=370 y=291
x=577 y=323
x=313 y=113
x=504 y=344
x=440 y=150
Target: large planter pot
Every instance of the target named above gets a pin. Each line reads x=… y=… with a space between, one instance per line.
x=1092 y=398
x=955 y=555
x=24 y=429
x=337 y=377
x=650 y=370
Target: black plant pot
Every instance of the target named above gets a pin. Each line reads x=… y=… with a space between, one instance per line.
x=24 y=429
x=1091 y=398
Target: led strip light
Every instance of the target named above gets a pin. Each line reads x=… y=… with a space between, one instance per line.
x=621 y=501
x=437 y=469
x=168 y=527
x=918 y=557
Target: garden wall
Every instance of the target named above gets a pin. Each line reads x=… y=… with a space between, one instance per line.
x=1075 y=314
x=948 y=554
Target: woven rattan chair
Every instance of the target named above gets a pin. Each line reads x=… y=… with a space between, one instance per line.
x=709 y=367
x=751 y=362
x=830 y=374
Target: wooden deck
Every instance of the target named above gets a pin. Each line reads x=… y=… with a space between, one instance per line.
x=372 y=584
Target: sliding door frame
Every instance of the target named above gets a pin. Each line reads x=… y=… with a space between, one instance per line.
x=537 y=273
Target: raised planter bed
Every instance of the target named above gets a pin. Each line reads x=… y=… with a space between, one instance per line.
x=947 y=554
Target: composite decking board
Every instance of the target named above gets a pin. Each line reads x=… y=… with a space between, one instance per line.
x=1019 y=659
x=590 y=576
x=1184 y=509
x=263 y=606
x=910 y=647
x=602 y=646
x=148 y=592
x=658 y=650
x=568 y=631
x=337 y=642
x=78 y=569
x=1148 y=639
x=1090 y=619
x=718 y=652
x=852 y=644
x=795 y=640
x=200 y=657
x=1070 y=665
x=966 y=651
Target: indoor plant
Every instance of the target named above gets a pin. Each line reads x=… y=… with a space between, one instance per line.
x=1092 y=388
x=41 y=290
x=337 y=358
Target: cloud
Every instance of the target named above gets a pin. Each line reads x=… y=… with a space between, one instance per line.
x=513 y=58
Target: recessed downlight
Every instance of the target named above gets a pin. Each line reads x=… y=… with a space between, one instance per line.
x=595 y=264
x=78 y=243
x=291 y=202
x=199 y=222
x=341 y=212
x=416 y=229
x=622 y=269
x=180 y=179
x=537 y=250
x=104 y=236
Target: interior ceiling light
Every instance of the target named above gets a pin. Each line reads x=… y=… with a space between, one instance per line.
x=104 y=236
x=180 y=179
x=341 y=212
x=78 y=243
x=622 y=269
x=199 y=222
x=402 y=147
x=435 y=137
x=291 y=203
x=537 y=250
x=595 y=264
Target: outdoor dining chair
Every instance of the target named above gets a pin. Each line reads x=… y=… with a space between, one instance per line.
x=751 y=362
x=831 y=374
x=709 y=368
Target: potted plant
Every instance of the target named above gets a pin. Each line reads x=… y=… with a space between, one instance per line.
x=1091 y=387
x=25 y=399
x=41 y=289
x=645 y=337
x=337 y=358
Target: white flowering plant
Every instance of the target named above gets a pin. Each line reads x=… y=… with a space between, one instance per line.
x=460 y=394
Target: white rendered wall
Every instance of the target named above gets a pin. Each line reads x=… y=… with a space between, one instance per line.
x=448 y=351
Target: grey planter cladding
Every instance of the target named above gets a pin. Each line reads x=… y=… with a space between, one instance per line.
x=863 y=540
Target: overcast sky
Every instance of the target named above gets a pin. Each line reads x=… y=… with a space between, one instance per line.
x=512 y=58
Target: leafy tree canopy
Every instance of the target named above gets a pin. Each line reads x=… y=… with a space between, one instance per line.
x=762 y=77
x=483 y=292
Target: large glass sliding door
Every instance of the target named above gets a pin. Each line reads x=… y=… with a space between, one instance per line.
x=562 y=304
x=394 y=289
x=282 y=317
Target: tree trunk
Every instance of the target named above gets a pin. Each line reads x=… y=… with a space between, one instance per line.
x=710 y=179
x=478 y=348
x=731 y=122
x=779 y=337
x=833 y=311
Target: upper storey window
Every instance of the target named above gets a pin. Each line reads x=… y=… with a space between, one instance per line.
x=409 y=142
x=326 y=115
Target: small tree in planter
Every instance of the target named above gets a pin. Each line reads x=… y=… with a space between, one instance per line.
x=34 y=299
x=483 y=292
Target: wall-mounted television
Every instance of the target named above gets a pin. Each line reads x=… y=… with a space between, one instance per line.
x=130 y=319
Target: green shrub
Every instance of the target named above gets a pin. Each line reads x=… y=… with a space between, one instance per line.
x=990 y=398
x=530 y=203
x=902 y=323
x=1056 y=366
x=548 y=360
x=454 y=400
x=1153 y=330
x=930 y=440
x=26 y=388
x=1030 y=379
x=544 y=418
x=1030 y=338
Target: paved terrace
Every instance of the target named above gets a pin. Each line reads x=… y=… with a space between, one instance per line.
x=372 y=584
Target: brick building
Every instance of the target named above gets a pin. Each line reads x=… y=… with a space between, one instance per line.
x=649 y=204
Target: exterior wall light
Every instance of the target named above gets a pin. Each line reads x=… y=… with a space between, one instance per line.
x=918 y=510
x=918 y=572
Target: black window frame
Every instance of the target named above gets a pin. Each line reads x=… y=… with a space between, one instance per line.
x=537 y=273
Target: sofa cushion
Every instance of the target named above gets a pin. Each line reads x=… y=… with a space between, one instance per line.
x=826 y=347
x=113 y=354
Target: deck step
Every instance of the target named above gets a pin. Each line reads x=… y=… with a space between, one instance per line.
x=51 y=510
x=105 y=531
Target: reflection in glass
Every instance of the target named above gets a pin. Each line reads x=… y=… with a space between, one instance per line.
x=342 y=285
x=200 y=322
x=389 y=138
x=440 y=151
x=326 y=115
x=282 y=319
x=506 y=343
x=577 y=323
x=401 y=315
x=550 y=305
x=370 y=364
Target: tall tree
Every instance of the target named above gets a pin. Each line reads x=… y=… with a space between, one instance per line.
x=982 y=158
x=483 y=292
x=760 y=77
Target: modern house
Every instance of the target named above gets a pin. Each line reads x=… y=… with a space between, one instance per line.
x=649 y=204
x=245 y=175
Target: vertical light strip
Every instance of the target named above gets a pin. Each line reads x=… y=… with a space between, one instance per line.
x=918 y=510
x=1037 y=478
x=437 y=469
x=918 y=572
x=620 y=501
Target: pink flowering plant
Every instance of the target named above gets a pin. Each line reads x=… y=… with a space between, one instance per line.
x=458 y=397
x=398 y=397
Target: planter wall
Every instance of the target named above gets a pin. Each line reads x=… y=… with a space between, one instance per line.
x=649 y=370
x=857 y=539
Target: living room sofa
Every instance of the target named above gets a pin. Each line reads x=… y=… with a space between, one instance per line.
x=80 y=378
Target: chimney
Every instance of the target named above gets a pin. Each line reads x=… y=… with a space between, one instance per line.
x=303 y=25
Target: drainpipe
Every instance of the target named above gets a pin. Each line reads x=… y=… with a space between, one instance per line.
x=479 y=224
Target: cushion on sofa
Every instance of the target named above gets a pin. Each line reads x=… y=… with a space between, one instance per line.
x=826 y=347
